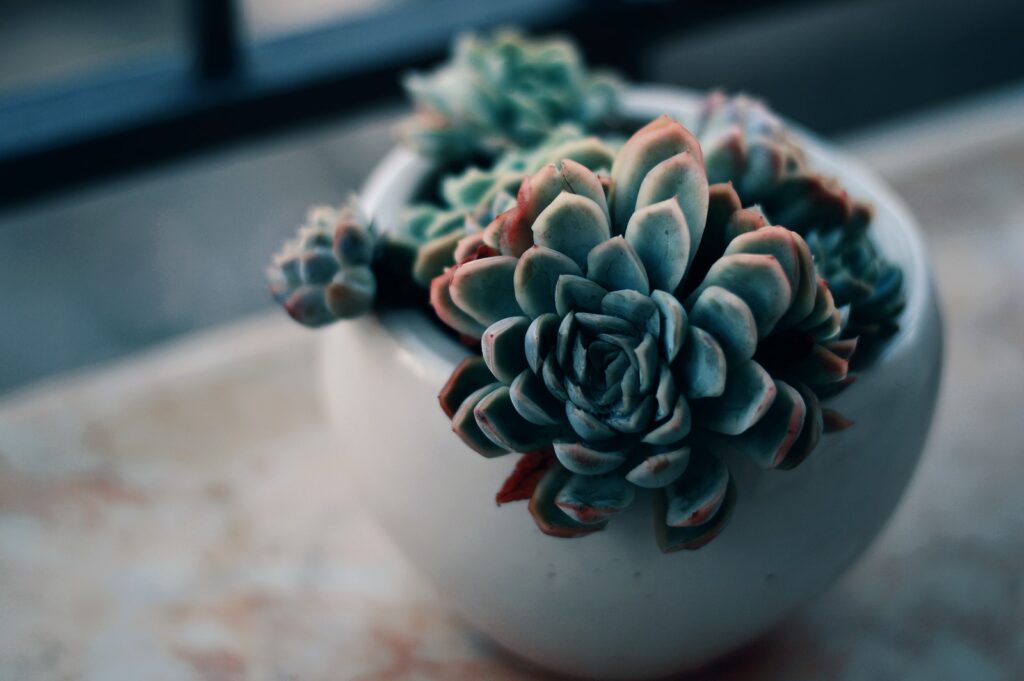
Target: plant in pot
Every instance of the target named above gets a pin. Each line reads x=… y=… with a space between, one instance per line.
x=649 y=308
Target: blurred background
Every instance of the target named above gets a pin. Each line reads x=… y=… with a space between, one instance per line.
x=153 y=152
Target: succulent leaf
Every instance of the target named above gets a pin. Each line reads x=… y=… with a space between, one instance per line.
x=834 y=422
x=485 y=289
x=542 y=334
x=577 y=293
x=674 y=428
x=769 y=441
x=590 y=499
x=694 y=499
x=659 y=140
x=534 y=402
x=527 y=474
x=703 y=366
x=504 y=426
x=615 y=266
x=820 y=321
x=680 y=179
x=450 y=313
x=550 y=519
x=469 y=376
x=726 y=154
x=503 y=347
x=351 y=292
x=434 y=256
x=536 y=277
x=666 y=393
x=573 y=225
x=757 y=280
x=811 y=432
x=749 y=392
x=580 y=180
x=308 y=306
x=691 y=538
x=779 y=243
x=633 y=308
x=464 y=424
x=728 y=318
x=660 y=468
x=673 y=323
x=659 y=235
x=587 y=425
x=585 y=460
x=821 y=367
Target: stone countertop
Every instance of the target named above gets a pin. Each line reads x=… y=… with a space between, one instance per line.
x=181 y=514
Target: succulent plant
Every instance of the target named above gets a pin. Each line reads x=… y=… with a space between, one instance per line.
x=475 y=196
x=746 y=144
x=501 y=92
x=324 y=273
x=636 y=329
x=861 y=279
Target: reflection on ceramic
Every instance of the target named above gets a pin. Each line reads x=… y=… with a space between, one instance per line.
x=611 y=605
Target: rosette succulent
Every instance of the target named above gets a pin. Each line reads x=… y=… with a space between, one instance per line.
x=475 y=196
x=746 y=144
x=324 y=273
x=633 y=329
x=503 y=92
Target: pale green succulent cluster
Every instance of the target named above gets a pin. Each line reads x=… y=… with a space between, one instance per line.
x=502 y=92
x=631 y=326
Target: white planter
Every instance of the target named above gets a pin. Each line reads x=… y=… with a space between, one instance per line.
x=611 y=605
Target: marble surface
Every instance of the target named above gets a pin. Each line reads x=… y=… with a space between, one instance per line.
x=181 y=514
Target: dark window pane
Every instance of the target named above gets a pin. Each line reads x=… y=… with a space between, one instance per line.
x=44 y=41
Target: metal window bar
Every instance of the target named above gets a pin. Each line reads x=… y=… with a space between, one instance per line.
x=215 y=33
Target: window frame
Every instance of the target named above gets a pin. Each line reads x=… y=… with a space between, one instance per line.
x=135 y=115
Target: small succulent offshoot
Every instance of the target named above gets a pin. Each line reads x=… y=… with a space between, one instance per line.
x=324 y=273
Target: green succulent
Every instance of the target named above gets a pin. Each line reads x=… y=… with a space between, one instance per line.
x=746 y=144
x=502 y=92
x=860 y=278
x=324 y=273
x=633 y=327
x=475 y=196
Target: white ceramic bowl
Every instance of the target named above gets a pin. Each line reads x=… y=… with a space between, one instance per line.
x=611 y=605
